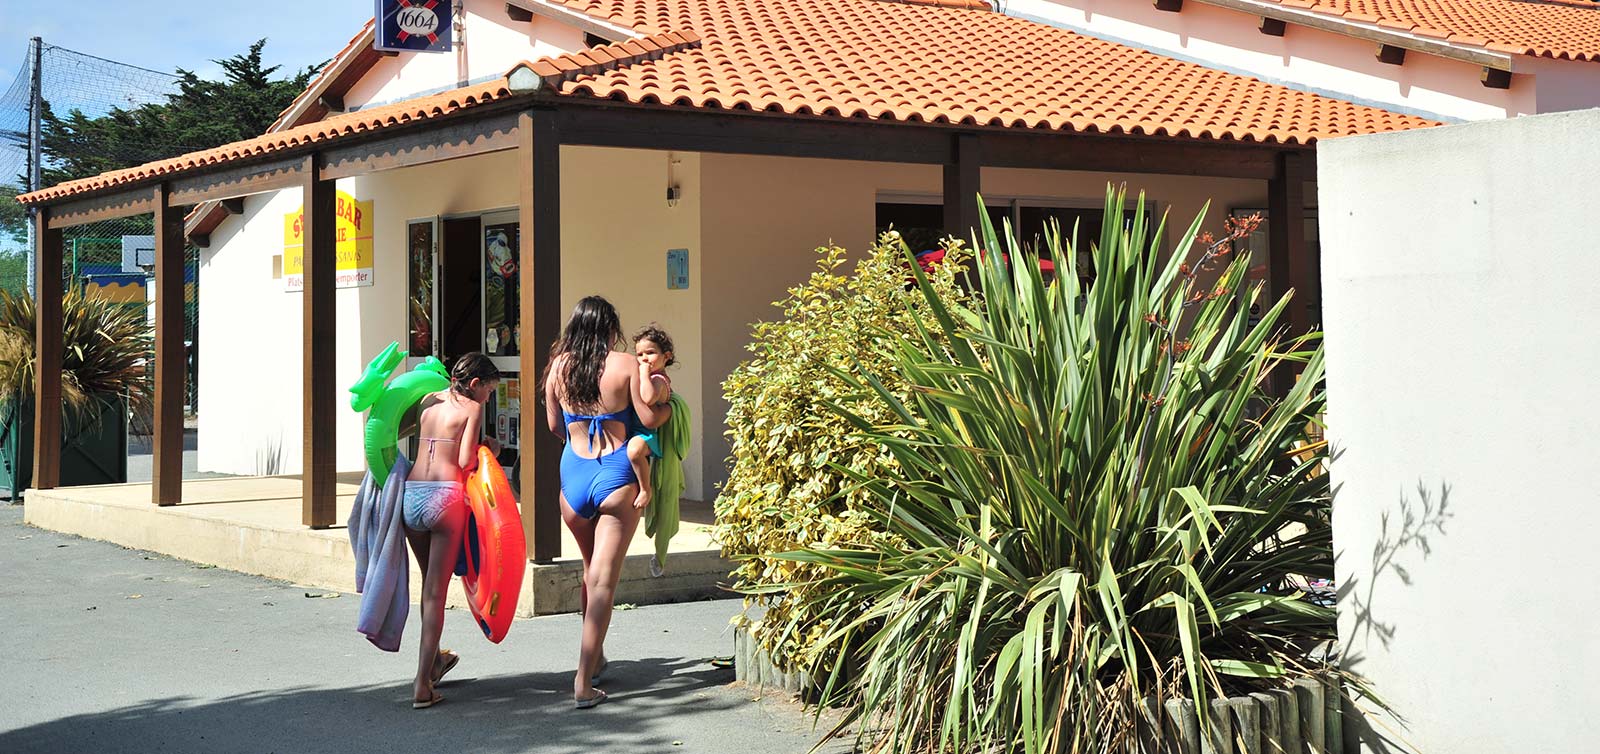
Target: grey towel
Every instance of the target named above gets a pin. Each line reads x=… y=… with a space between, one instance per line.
x=383 y=568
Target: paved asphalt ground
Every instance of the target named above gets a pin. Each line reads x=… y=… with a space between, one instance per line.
x=115 y=650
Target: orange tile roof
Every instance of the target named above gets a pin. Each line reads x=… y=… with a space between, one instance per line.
x=906 y=60
x=361 y=121
x=1568 y=29
x=323 y=76
x=898 y=61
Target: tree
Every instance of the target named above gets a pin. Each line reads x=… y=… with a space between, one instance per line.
x=202 y=114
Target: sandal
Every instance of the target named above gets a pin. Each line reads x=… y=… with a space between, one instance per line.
x=444 y=663
x=426 y=703
x=599 y=696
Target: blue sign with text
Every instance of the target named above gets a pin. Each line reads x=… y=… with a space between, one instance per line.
x=677 y=269
x=413 y=25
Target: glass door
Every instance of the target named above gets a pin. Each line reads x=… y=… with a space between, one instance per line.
x=502 y=331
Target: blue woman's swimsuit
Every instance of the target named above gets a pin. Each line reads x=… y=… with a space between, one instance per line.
x=587 y=482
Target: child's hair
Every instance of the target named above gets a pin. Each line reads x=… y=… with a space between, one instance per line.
x=472 y=366
x=658 y=336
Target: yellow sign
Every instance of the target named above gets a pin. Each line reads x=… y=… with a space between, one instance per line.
x=353 y=231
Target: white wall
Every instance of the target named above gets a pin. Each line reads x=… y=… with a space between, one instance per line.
x=489 y=46
x=1459 y=310
x=1305 y=58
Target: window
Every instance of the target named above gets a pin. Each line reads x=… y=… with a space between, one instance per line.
x=420 y=273
x=502 y=301
x=921 y=224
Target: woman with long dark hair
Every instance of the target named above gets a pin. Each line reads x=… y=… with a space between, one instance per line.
x=591 y=395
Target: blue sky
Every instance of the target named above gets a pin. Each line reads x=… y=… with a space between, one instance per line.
x=190 y=34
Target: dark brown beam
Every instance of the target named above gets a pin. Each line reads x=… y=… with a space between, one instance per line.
x=1273 y=26
x=648 y=128
x=1391 y=55
x=332 y=102
x=539 y=154
x=235 y=182
x=1289 y=267
x=1169 y=5
x=47 y=353
x=645 y=128
x=961 y=186
x=114 y=206
x=167 y=463
x=233 y=206
x=1495 y=78
x=1127 y=154
x=320 y=394
x=496 y=133
x=519 y=15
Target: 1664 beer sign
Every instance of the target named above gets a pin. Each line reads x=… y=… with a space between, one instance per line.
x=413 y=25
x=353 y=245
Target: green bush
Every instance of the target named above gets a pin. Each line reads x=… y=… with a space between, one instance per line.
x=1079 y=510
x=791 y=456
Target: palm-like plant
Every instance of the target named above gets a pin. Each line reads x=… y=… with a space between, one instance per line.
x=1097 y=500
x=105 y=347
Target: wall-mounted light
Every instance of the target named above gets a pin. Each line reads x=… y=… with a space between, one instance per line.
x=674 y=193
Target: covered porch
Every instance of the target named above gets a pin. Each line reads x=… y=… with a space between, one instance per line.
x=528 y=126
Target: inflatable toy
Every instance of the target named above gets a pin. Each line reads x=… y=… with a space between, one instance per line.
x=387 y=404
x=495 y=551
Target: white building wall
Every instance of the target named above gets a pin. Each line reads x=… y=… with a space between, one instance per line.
x=1305 y=58
x=1461 y=375
x=490 y=45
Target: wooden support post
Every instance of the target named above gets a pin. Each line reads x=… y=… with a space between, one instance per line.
x=539 y=154
x=47 y=358
x=961 y=186
x=167 y=464
x=1274 y=27
x=320 y=395
x=1289 y=266
x=1391 y=55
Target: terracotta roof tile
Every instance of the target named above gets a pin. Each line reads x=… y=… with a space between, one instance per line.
x=1568 y=29
x=410 y=111
x=879 y=59
x=866 y=59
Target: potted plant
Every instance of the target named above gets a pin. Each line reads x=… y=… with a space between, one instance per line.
x=105 y=346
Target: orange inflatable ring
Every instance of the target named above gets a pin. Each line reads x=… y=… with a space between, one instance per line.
x=495 y=550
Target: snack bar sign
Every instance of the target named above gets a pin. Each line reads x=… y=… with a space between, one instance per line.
x=352 y=246
x=413 y=25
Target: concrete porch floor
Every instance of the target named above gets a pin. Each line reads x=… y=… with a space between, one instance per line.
x=252 y=525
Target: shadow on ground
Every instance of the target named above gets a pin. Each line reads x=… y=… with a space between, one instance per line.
x=507 y=713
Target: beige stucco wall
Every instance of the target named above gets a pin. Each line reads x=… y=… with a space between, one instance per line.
x=765 y=215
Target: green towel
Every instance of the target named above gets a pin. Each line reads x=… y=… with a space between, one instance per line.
x=666 y=479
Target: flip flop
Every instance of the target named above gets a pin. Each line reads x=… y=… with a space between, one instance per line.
x=449 y=662
x=599 y=696
x=426 y=703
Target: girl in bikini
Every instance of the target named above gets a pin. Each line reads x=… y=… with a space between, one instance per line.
x=435 y=507
x=653 y=348
x=592 y=393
